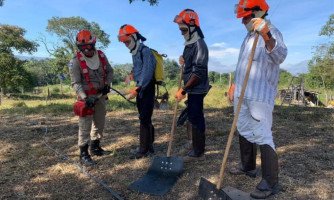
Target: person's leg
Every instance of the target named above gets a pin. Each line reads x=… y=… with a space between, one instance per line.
x=96 y=133
x=268 y=186
x=85 y=124
x=145 y=105
x=196 y=118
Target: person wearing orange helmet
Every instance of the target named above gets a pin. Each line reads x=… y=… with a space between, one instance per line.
x=143 y=73
x=255 y=119
x=194 y=59
x=91 y=76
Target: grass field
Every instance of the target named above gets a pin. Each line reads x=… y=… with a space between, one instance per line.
x=30 y=128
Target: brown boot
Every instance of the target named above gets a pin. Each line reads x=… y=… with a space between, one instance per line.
x=150 y=147
x=198 y=138
x=248 y=159
x=144 y=142
x=269 y=183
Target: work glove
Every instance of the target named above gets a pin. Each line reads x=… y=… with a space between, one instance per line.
x=180 y=94
x=105 y=90
x=230 y=93
x=261 y=26
x=90 y=101
x=181 y=60
x=132 y=93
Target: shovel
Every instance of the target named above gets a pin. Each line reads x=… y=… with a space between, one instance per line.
x=164 y=171
x=207 y=190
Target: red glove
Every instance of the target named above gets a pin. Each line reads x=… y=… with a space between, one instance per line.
x=132 y=93
x=261 y=26
x=181 y=94
x=230 y=93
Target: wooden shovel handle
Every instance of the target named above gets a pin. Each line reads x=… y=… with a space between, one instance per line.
x=169 y=150
x=235 y=119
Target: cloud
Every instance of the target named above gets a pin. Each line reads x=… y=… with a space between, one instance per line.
x=222 y=57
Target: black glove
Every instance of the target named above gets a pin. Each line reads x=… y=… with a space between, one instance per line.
x=90 y=101
x=105 y=90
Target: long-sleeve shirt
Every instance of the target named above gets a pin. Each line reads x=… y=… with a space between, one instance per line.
x=264 y=74
x=79 y=82
x=196 y=57
x=143 y=66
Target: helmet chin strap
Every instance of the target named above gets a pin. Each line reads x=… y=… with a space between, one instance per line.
x=192 y=30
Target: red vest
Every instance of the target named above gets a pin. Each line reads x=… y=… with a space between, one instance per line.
x=85 y=72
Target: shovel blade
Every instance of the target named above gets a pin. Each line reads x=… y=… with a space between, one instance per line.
x=161 y=176
x=208 y=190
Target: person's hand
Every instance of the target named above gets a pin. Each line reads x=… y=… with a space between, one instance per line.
x=230 y=93
x=90 y=101
x=105 y=90
x=261 y=26
x=132 y=93
x=181 y=60
x=181 y=94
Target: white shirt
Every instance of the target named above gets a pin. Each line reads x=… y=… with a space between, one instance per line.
x=264 y=74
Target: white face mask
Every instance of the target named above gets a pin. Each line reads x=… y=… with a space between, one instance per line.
x=132 y=44
x=249 y=26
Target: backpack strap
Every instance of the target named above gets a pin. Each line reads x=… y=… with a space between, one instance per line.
x=103 y=61
x=85 y=71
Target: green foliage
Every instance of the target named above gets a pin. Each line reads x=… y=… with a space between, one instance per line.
x=12 y=73
x=66 y=29
x=285 y=78
x=171 y=69
x=20 y=104
x=120 y=72
x=152 y=2
x=11 y=38
x=321 y=68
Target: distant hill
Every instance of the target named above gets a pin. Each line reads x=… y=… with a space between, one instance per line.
x=29 y=57
x=298 y=68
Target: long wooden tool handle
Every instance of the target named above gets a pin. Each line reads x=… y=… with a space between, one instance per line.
x=174 y=118
x=234 y=124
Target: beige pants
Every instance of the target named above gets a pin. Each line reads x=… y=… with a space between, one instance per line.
x=91 y=127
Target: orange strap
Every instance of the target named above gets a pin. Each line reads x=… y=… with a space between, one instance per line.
x=85 y=72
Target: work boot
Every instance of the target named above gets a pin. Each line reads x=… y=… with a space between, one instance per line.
x=248 y=159
x=198 y=138
x=269 y=184
x=95 y=148
x=85 y=157
x=144 y=142
x=150 y=147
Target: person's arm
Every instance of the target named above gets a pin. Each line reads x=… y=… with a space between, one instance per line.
x=76 y=79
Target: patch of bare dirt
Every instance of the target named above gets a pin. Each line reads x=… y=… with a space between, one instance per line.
x=30 y=170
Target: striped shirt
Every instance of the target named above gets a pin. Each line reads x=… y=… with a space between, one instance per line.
x=264 y=74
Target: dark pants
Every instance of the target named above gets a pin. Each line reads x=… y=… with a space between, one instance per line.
x=145 y=104
x=195 y=111
x=196 y=118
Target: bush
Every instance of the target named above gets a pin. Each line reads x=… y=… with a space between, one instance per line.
x=20 y=104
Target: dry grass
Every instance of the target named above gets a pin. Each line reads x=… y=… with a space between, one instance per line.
x=30 y=170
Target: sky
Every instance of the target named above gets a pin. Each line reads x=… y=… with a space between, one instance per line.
x=299 y=22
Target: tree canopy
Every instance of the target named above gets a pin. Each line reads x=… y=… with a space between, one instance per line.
x=152 y=2
x=66 y=29
x=12 y=73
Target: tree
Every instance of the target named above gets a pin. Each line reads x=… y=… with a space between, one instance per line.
x=321 y=68
x=1 y=2
x=67 y=28
x=152 y=2
x=285 y=78
x=12 y=73
x=171 y=69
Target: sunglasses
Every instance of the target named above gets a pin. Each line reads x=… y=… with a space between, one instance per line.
x=86 y=46
x=183 y=30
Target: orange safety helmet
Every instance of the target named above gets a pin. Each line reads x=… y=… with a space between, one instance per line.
x=247 y=7
x=186 y=16
x=125 y=31
x=85 y=37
